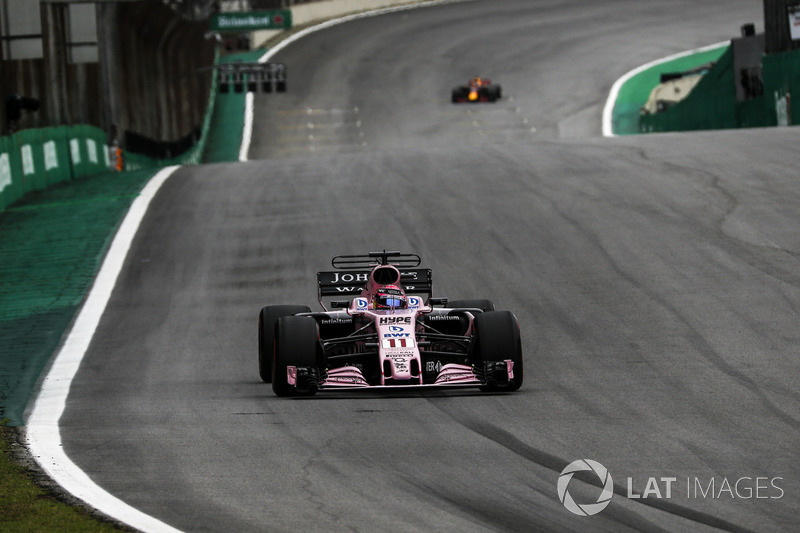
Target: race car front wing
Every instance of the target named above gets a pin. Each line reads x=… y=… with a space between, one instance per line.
x=351 y=377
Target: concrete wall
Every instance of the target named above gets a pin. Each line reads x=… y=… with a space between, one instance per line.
x=313 y=12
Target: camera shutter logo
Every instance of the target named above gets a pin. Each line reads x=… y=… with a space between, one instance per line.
x=590 y=508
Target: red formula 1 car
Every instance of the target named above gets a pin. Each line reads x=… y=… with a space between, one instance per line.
x=386 y=336
x=477 y=89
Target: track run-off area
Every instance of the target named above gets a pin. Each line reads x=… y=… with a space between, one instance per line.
x=655 y=279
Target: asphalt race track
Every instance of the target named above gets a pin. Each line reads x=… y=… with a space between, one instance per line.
x=656 y=280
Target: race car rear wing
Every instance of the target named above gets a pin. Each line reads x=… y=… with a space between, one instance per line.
x=353 y=272
x=352 y=282
x=376 y=258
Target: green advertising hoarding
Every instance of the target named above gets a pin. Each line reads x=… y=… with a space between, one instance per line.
x=252 y=20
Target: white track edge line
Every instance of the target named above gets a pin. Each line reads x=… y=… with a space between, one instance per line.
x=608 y=109
x=43 y=434
x=247 y=129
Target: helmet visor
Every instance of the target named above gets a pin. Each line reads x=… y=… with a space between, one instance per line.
x=392 y=302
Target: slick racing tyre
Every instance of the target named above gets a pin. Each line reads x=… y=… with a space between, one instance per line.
x=266 y=335
x=497 y=92
x=483 y=305
x=296 y=344
x=497 y=338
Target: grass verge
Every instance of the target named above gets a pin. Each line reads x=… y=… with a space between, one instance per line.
x=25 y=505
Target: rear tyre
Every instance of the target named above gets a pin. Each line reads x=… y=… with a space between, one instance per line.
x=296 y=344
x=267 y=319
x=497 y=338
x=484 y=305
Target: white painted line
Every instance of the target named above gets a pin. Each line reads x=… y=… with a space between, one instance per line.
x=244 y=150
x=247 y=128
x=43 y=433
x=608 y=110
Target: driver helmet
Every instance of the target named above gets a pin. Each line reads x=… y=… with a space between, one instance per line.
x=389 y=297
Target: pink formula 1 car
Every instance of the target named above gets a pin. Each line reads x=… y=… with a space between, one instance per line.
x=386 y=336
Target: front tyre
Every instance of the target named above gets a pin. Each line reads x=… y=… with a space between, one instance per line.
x=297 y=345
x=267 y=319
x=497 y=339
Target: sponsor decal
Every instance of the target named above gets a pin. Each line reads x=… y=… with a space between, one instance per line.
x=400 y=364
x=396 y=329
x=346 y=379
x=394 y=291
x=436 y=318
x=349 y=278
x=456 y=377
x=361 y=303
x=395 y=335
x=414 y=302
x=5 y=172
x=347 y=290
x=433 y=366
x=50 y=156
x=395 y=320
x=331 y=321
x=27 y=159
x=398 y=343
x=75 y=150
x=91 y=149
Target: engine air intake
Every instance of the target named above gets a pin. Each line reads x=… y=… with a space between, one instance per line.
x=386 y=276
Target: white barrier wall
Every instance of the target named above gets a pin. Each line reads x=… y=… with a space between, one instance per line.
x=325 y=9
